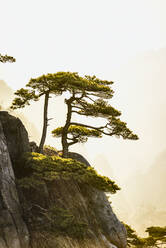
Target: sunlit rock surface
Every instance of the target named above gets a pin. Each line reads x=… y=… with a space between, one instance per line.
x=87 y=206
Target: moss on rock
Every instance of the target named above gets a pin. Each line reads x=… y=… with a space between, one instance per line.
x=39 y=169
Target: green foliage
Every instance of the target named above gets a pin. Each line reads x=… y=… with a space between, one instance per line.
x=35 y=88
x=59 y=82
x=50 y=151
x=30 y=182
x=156 y=231
x=24 y=98
x=87 y=97
x=97 y=80
x=133 y=240
x=99 y=108
x=6 y=58
x=156 y=238
x=63 y=222
x=56 y=84
x=71 y=81
x=74 y=130
x=46 y=83
x=119 y=128
x=78 y=132
x=39 y=169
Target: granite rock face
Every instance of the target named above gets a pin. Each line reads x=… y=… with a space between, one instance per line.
x=13 y=230
x=114 y=230
x=111 y=226
x=15 y=134
x=21 y=224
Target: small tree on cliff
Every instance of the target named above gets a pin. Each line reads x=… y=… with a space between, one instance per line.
x=88 y=97
x=42 y=86
x=6 y=58
x=156 y=237
x=133 y=240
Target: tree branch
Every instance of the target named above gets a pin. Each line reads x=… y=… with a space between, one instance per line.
x=90 y=98
x=95 y=128
x=72 y=143
x=69 y=138
x=50 y=119
x=79 y=113
x=77 y=107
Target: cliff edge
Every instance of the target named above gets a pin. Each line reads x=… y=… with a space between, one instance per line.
x=50 y=202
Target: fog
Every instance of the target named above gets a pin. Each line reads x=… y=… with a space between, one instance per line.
x=141 y=90
x=139 y=167
x=6 y=97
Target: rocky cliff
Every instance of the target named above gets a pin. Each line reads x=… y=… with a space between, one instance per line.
x=13 y=230
x=46 y=205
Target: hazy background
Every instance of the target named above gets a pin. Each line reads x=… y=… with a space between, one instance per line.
x=123 y=41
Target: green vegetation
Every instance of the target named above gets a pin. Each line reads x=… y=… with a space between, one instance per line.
x=63 y=222
x=6 y=58
x=42 y=86
x=38 y=169
x=87 y=96
x=50 y=151
x=78 y=133
x=133 y=240
x=156 y=237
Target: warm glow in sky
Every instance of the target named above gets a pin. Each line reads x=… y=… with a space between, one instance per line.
x=119 y=40
x=90 y=36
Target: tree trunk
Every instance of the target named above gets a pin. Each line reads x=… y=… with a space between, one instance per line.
x=65 y=145
x=45 y=123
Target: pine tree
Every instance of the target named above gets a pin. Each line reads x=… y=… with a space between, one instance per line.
x=44 y=85
x=157 y=236
x=88 y=96
x=133 y=240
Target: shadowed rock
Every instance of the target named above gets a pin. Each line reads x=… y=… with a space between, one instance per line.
x=83 y=202
x=13 y=231
x=78 y=157
x=15 y=134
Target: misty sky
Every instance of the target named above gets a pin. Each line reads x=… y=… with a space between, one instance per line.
x=90 y=36
x=123 y=41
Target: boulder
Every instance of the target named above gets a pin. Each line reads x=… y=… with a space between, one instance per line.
x=16 y=135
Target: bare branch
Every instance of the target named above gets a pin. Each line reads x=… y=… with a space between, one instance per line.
x=73 y=111
x=90 y=98
x=72 y=143
x=77 y=107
